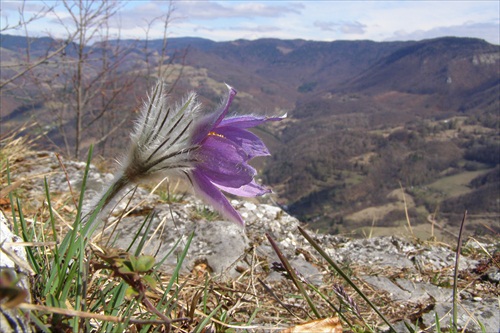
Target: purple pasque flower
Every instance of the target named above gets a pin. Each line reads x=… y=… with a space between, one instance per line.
x=211 y=150
x=225 y=147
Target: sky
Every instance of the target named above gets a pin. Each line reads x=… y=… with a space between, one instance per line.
x=311 y=20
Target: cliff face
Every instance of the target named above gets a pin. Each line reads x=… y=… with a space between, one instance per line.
x=397 y=271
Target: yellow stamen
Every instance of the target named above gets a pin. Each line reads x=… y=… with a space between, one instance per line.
x=216 y=134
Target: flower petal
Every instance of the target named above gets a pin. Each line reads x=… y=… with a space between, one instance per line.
x=247 y=121
x=214 y=197
x=251 y=144
x=206 y=124
x=251 y=189
x=223 y=162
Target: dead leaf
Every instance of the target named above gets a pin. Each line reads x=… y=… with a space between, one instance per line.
x=201 y=268
x=327 y=325
x=12 y=296
x=4 y=202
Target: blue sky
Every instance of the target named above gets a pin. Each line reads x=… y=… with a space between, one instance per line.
x=312 y=20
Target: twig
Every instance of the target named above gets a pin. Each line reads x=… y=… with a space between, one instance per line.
x=271 y=292
x=455 y=275
x=83 y=314
x=67 y=179
x=406 y=209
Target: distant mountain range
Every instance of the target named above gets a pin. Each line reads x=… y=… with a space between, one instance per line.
x=363 y=116
x=280 y=73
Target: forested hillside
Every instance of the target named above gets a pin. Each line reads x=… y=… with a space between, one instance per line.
x=365 y=119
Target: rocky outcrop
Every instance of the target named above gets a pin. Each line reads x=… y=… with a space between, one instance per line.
x=14 y=280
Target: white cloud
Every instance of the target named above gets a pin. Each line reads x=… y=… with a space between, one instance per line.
x=343 y=27
x=487 y=31
x=408 y=20
x=211 y=10
x=256 y=28
x=314 y=20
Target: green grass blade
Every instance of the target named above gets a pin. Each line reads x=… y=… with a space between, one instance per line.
x=252 y=316
x=80 y=270
x=165 y=257
x=51 y=217
x=84 y=184
x=11 y=199
x=114 y=306
x=27 y=237
x=177 y=269
x=409 y=327
x=344 y=276
x=38 y=323
x=148 y=221
x=438 y=324
x=337 y=310
x=168 y=307
x=69 y=246
x=294 y=277
x=205 y=321
x=481 y=325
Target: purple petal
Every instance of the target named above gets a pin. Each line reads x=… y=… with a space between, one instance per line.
x=251 y=143
x=225 y=105
x=223 y=162
x=247 y=121
x=251 y=189
x=214 y=197
x=208 y=123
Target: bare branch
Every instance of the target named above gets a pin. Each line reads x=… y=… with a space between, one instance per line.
x=83 y=89
x=22 y=22
x=40 y=61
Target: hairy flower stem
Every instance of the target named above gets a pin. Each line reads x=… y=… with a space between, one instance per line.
x=114 y=188
x=100 y=207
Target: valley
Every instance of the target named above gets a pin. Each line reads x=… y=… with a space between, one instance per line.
x=367 y=122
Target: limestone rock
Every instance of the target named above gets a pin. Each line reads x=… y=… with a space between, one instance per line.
x=13 y=262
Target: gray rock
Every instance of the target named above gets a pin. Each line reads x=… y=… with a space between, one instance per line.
x=493 y=275
x=402 y=290
x=384 y=284
x=470 y=314
x=220 y=244
x=388 y=251
x=13 y=262
x=422 y=290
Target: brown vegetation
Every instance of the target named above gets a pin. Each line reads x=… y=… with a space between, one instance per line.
x=363 y=116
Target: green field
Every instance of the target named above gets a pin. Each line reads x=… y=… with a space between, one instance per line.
x=456 y=185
